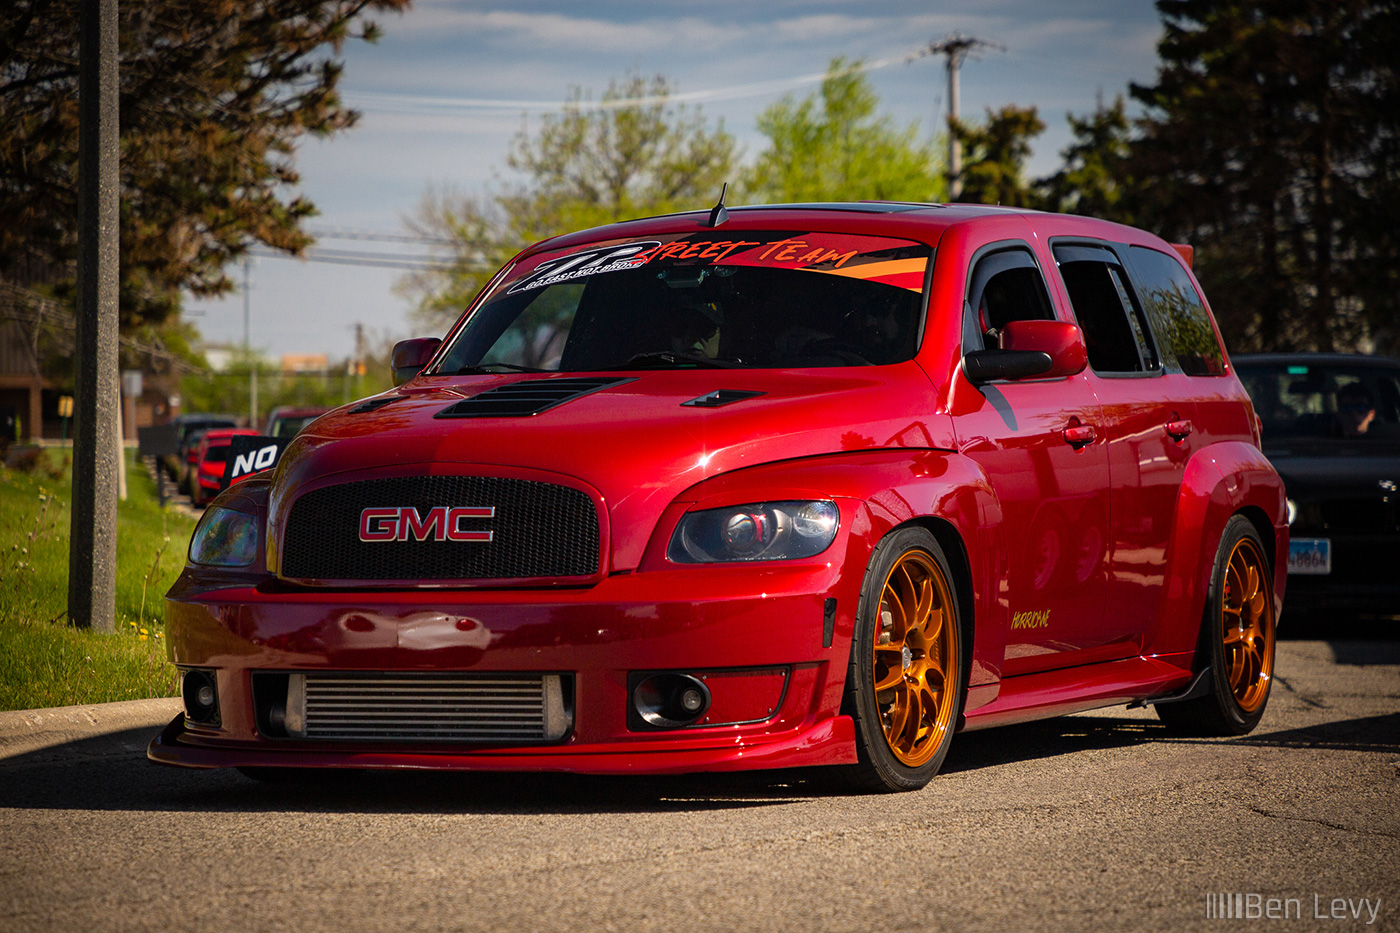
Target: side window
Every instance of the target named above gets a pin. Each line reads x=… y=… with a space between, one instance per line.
x=1177 y=314
x=1114 y=330
x=1004 y=286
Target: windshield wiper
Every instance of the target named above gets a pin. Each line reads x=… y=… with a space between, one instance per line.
x=493 y=367
x=677 y=359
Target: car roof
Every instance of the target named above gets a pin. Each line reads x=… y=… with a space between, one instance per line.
x=869 y=215
x=223 y=434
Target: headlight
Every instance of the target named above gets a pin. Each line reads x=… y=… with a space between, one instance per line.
x=224 y=538
x=762 y=531
x=1292 y=510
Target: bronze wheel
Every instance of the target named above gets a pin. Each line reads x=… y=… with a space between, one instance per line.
x=1248 y=611
x=904 y=687
x=1237 y=640
x=913 y=650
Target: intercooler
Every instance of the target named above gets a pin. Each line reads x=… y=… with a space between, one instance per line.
x=427 y=707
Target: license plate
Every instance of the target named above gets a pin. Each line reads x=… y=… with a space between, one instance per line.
x=1310 y=555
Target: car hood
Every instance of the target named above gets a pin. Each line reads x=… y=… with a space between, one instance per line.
x=1334 y=466
x=1344 y=488
x=635 y=441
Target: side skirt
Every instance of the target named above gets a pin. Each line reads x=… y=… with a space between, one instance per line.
x=1076 y=689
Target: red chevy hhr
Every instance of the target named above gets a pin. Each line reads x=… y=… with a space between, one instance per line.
x=786 y=486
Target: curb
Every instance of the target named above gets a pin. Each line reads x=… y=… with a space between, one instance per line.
x=23 y=732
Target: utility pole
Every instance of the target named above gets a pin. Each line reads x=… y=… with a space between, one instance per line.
x=359 y=356
x=955 y=49
x=92 y=547
x=248 y=352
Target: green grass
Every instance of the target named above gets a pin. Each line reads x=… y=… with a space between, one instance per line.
x=45 y=661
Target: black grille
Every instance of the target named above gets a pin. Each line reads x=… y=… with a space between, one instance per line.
x=1359 y=515
x=529 y=397
x=539 y=530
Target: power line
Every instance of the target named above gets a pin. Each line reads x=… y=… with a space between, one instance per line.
x=385 y=102
x=322 y=233
x=400 y=261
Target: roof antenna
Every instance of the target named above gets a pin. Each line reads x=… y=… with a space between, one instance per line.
x=719 y=215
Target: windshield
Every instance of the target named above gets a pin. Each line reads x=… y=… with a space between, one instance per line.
x=751 y=300
x=1325 y=401
x=290 y=427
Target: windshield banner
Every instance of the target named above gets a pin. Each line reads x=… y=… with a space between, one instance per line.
x=900 y=263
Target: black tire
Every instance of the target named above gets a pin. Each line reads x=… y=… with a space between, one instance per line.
x=1237 y=640
x=904 y=716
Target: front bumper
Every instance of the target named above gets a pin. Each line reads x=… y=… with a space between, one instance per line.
x=713 y=618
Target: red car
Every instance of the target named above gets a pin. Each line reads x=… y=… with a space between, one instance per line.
x=771 y=487
x=209 y=460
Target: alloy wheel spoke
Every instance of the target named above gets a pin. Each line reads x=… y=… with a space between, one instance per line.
x=909 y=734
x=1236 y=664
x=923 y=603
x=899 y=717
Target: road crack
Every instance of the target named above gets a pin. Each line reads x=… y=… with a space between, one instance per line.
x=1311 y=701
x=1327 y=823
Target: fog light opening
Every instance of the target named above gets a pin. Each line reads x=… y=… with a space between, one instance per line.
x=201 y=694
x=671 y=701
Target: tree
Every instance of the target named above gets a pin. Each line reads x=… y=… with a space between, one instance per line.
x=213 y=97
x=1272 y=141
x=1094 y=176
x=632 y=154
x=995 y=154
x=831 y=146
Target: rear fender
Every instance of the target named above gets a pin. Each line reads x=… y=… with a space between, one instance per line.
x=1220 y=480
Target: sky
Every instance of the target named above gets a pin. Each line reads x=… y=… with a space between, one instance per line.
x=451 y=83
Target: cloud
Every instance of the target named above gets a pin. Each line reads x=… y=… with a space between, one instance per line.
x=540 y=31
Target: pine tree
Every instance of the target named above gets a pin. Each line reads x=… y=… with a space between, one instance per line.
x=994 y=156
x=1270 y=140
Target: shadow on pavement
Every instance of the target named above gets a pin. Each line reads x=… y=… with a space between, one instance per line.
x=1047 y=738
x=108 y=772
x=90 y=775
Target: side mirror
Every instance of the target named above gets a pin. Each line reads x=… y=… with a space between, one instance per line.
x=1040 y=349
x=410 y=356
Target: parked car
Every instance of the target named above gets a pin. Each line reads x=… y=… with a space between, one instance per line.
x=188 y=428
x=209 y=460
x=767 y=487
x=1332 y=430
x=287 y=421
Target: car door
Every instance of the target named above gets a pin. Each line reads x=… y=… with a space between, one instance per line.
x=1036 y=439
x=1147 y=429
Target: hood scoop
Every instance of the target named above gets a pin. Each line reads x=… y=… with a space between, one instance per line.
x=527 y=397
x=375 y=404
x=720 y=397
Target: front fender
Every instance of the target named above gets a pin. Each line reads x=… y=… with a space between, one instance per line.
x=1219 y=481
x=878 y=491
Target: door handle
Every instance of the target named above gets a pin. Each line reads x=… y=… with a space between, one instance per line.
x=1080 y=435
x=1178 y=430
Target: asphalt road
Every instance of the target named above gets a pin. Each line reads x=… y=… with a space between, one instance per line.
x=1093 y=822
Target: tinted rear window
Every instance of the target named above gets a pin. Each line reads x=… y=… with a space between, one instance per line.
x=1177 y=314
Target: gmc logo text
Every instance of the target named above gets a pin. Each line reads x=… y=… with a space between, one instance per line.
x=440 y=523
